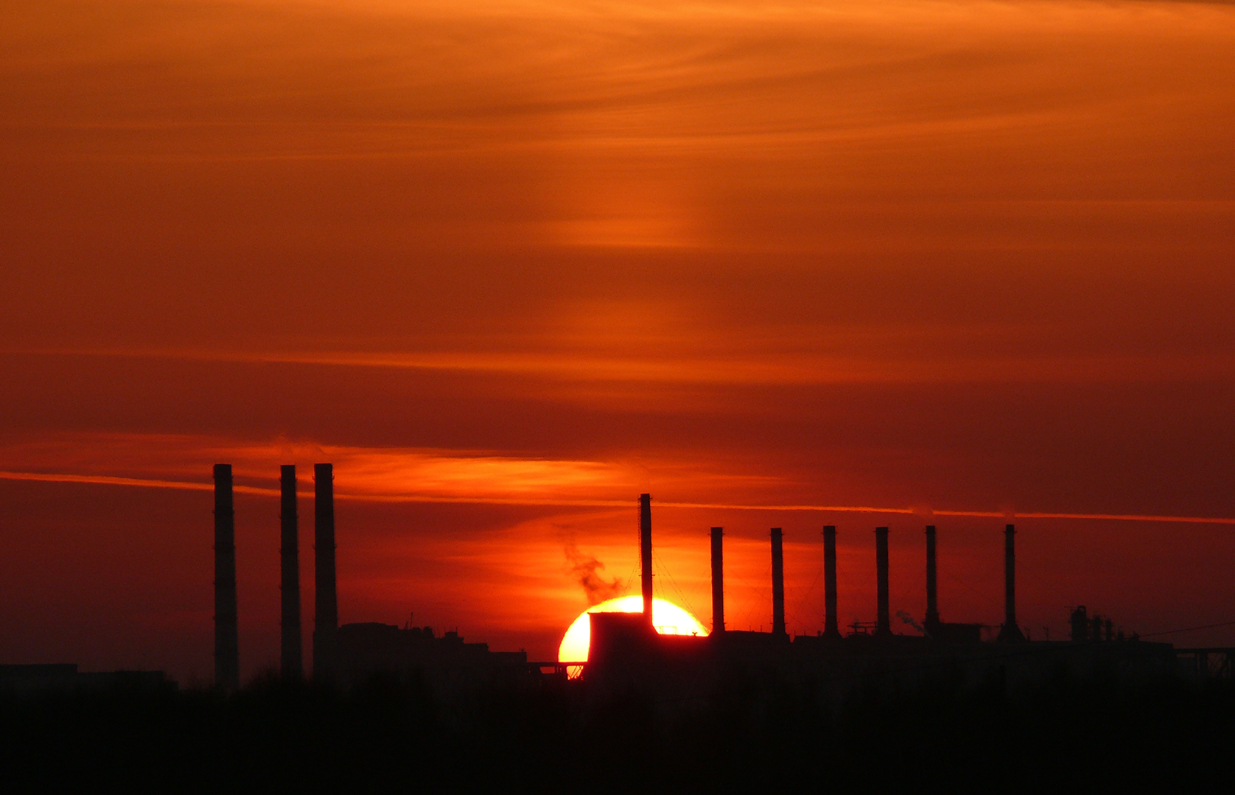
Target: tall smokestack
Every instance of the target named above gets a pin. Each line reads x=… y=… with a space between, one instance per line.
x=718 y=580
x=830 y=630
x=645 y=552
x=226 y=644
x=778 y=583
x=884 y=625
x=291 y=658
x=326 y=612
x=932 y=607
x=1010 y=631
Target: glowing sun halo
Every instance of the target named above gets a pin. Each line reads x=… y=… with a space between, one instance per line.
x=667 y=617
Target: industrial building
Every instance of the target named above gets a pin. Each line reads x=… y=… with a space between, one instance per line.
x=341 y=654
x=626 y=650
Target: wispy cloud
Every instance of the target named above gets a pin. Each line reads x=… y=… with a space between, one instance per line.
x=423 y=476
x=770 y=368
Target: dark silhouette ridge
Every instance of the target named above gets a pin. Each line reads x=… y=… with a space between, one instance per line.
x=291 y=659
x=226 y=643
x=326 y=604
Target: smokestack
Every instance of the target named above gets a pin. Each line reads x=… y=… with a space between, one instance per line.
x=645 y=552
x=326 y=607
x=884 y=625
x=932 y=607
x=778 y=583
x=830 y=630
x=226 y=645
x=718 y=581
x=292 y=663
x=1010 y=631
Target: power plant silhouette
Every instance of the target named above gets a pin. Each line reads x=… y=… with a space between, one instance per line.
x=341 y=654
x=952 y=705
x=626 y=649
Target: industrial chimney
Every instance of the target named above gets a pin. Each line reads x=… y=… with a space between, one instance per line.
x=932 y=608
x=884 y=621
x=778 y=583
x=645 y=552
x=718 y=581
x=226 y=644
x=291 y=657
x=326 y=612
x=830 y=630
x=1010 y=632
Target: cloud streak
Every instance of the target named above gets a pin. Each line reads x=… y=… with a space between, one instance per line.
x=585 y=566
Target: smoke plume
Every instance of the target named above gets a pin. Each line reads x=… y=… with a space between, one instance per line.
x=908 y=619
x=586 y=569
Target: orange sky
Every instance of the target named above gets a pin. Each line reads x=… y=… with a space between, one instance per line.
x=509 y=264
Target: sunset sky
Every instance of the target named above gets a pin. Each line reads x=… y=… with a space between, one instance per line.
x=508 y=265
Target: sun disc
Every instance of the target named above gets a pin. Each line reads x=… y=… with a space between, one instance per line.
x=668 y=618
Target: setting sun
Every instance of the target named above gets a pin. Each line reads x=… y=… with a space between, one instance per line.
x=668 y=618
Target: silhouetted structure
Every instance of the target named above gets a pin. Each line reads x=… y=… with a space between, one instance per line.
x=718 y=580
x=226 y=643
x=626 y=650
x=883 y=621
x=1080 y=624
x=645 y=553
x=365 y=649
x=1010 y=632
x=932 y=607
x=934 y=627
x=778 y=582
x=351 y=654
x=626 y=653
x=830 y=629
x=326 y=605
x=291 y=659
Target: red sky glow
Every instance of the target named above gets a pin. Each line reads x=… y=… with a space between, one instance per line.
x=509 y=264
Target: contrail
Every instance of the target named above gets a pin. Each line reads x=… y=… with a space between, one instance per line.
x=1118 y=517
x=109 y=480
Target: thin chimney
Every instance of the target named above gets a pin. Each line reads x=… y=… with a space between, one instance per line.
x=932 y=607
x=884 y=622
x=326 y=605
x=718 y=581
x=291 y=658
x=645 y=552
x=778 y=583
x=226 y=644
x=830 y=629
x=1010 y=631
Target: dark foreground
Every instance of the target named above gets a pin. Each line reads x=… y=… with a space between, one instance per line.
x=555 y=736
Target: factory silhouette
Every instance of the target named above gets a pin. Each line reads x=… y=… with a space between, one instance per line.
x=393 y=707
x=626 y=650
x=342 y=655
